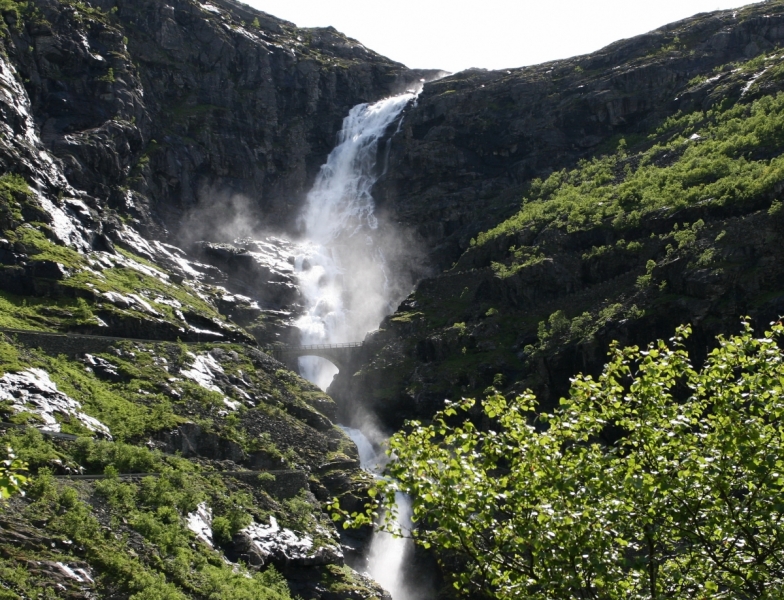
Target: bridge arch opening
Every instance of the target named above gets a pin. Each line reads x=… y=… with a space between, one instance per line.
x=319 y=362
x=317 y=369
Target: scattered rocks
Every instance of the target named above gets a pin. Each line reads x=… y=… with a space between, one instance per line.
x=103 y=368
x=261 y=545
x=34 y=392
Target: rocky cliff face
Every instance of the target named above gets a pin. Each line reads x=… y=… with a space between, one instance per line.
x=473 y=142
x=640 y=231
x=134 y=138
x=176 y=122
x=156 y=107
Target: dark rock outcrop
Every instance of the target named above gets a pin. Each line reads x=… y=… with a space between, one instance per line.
x=473 y=141
x=159 y=108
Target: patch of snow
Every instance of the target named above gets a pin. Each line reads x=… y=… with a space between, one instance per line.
x=78 y=574
x=200 y=523
x=231 y=403
x=210 y=8
x=203 y=371
x=34 y=392
x=270 y=538
x=284 y=545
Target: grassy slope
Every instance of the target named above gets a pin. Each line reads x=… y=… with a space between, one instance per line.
x=133 y=533
x=682 y=221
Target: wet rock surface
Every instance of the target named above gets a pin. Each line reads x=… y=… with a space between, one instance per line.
x=264 y=544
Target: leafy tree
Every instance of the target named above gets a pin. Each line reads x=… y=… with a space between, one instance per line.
x=655 y=480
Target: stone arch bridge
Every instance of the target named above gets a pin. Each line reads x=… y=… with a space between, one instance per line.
x=343 y=356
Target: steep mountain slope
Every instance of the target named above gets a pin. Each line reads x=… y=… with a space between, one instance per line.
x=118 y=119
x=677 y=220
x=473 y=142
x=156 y=106
x=143 y=147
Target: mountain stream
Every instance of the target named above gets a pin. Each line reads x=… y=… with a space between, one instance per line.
x=348 y=287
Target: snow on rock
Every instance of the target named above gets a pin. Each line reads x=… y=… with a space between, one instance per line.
x=78 y=574
x=32 y=391
x=270 y=543
x=203 y=371
x=200 y=523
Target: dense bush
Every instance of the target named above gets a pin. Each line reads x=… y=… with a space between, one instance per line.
x=654 y=480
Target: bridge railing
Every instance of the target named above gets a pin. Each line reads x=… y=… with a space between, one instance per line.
x=284 y=349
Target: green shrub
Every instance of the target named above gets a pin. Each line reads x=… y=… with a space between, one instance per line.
x=721 y=169
x=655 y=480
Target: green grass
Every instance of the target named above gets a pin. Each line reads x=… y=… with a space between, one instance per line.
x=736 y=160
x=100 y=518
x=14 y=6
x=41 y=248
x=172 y=565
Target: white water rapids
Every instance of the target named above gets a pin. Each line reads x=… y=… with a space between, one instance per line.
x=348 y=286
x=342 y=269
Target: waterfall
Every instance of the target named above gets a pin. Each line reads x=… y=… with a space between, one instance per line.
x=348 y=286
x=387 y=555
x=342 y=268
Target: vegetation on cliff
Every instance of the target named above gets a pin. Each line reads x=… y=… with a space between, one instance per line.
x=657 y=479
x=721 y=157
x=190 y=444
x=675 y=222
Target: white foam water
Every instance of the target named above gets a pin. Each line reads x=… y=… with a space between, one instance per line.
x=341 y=268
x=388 y=555
x=340 y=202
x=345 y=282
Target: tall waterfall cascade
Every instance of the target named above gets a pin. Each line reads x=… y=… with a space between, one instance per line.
x=342 y=267
x=348 y=286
